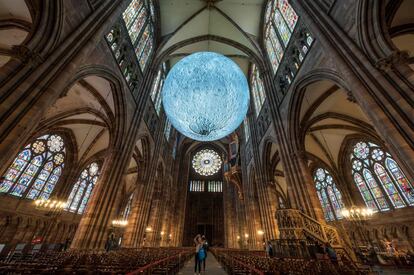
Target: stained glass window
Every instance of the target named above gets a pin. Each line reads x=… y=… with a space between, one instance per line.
x=35 y=171
x=256 y=86
x=288 y=13
x=167 y=129
x=281 y=26
x=82 y=190
x=174 y=150
x=207 y=162
x=246 y=129
x=196 y=186
x=127 y=209
x=157 y=87
x=379 y=178
x=328 y=194
x=139 y=20
x=215 y=186
x=280 y=22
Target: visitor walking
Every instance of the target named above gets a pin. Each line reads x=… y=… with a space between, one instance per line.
x=205 y=247
x=200 y=254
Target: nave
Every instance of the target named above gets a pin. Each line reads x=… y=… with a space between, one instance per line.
x=281 y=130
x=41 y=260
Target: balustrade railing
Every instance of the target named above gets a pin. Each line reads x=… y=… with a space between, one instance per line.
x=294 y=224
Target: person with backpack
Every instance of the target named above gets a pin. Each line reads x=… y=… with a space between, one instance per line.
x=205 y=247
x=200 y=254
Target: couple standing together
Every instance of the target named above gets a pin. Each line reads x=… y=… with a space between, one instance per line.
x=201 y=253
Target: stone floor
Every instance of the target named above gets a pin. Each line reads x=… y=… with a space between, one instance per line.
x=212 y=266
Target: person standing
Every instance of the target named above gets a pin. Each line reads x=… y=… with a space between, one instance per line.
x=269 y=249
x=199 y=255
x=205 y=247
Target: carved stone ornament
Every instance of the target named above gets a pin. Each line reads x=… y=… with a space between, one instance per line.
x=388 y=63
x=26 y=55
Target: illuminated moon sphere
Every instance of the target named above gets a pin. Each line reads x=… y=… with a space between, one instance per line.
x=205 y=96
x=206 y=162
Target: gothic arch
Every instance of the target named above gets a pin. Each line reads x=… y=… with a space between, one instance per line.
x=346 y=170
x=376 y=19
x=298 y=92
x=46 y=20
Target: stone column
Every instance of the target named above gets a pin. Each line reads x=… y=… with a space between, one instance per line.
x=296 y=173
x=94 y=226
x=130 y=238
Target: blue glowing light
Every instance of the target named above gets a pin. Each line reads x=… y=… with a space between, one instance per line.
x=205 y=96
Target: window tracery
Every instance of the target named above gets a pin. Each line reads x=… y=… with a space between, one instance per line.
x=328 y=194
x=167 y=129
x=379 y=178
x=157 y=88
x=36 y=170
x=127 y=210
x=82 y=190
x=246 y=127
x=207 y=162
x=132 y=40
x=285 y=42
x=256 y=86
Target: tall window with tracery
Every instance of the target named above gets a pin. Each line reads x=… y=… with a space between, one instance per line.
x=157 y=88
x=256 y=86
x=379 y=178
x=138 y=19
x=82 y=190
x=167 y=129
x=36 y=169
x=280 y=22
x=127 y=210
x=328 y=194
x=139 y=23
x=246 y=127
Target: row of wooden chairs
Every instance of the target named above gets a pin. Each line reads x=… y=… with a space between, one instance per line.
x=120 y=261
x=252 y=262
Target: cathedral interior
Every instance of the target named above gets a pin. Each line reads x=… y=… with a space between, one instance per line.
x=282 y=130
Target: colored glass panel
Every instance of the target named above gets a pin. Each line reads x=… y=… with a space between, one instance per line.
x=256 y=85
x=389 y=187
x=288 y=13
x=282 y=27
x=375 y=190
x=268 y=11
x=329 y=196
x=327 y=210
x=146 y=53
x=131 y=11
x=402 y=182
x=366 y=194
x=155 y=86
x=137 y=25
x=82 y=189
x=272 y=55
x=142 y=42
x=277 y=47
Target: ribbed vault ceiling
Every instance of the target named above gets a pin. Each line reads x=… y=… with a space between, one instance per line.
x=234 y=20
